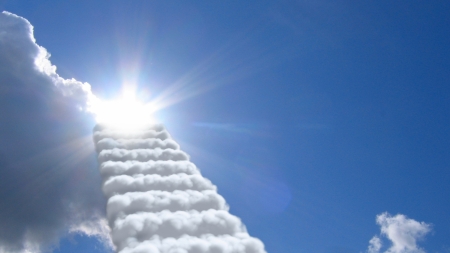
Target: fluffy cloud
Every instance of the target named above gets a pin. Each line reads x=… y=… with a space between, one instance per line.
x=162 y=168
x=156 y=154
x=159 y=202
x=116 y=134
x=204 y=244
x=47 y=185
x=125 y=183
x=24 y=61
x=402 y=232
x=109 y=143
x=375 y=245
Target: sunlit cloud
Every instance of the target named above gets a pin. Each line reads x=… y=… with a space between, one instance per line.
x=403 y=233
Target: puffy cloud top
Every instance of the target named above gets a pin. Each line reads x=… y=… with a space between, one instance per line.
x=22 y=59
x=401 y=231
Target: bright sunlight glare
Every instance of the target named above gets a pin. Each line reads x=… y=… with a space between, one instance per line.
x=126 y=114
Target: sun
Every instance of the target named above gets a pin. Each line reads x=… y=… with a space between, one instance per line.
x=125 y=114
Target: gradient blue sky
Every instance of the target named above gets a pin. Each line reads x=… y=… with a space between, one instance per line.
x=311 y=117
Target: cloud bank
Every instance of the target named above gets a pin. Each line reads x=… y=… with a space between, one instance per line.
x=402 y=232
x=158 y=201
x=47 y=188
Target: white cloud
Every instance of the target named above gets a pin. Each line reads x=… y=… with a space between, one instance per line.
x=160 y=202
x=24 y=60
x=241 y=243
x=143 y=155
x=374 y=245
x=95 y=228
x=109 y=143
x=107 y=133
x=163 y=168
x=124 y=183
x=402 y=232
x=157 y=201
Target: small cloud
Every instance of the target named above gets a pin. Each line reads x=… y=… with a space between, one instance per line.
x=404 y=233
x=95 y=228
x=374 y=245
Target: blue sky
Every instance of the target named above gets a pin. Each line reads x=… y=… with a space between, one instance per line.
x=311 y=117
